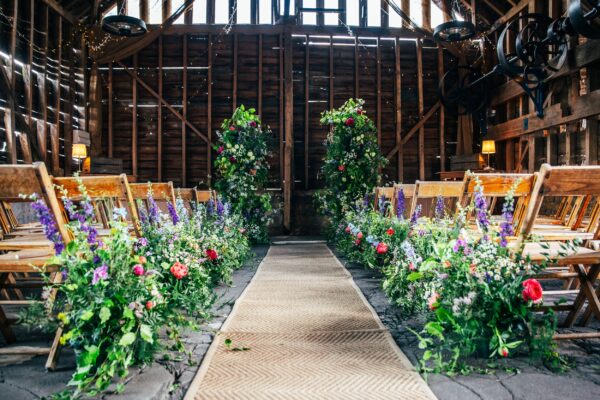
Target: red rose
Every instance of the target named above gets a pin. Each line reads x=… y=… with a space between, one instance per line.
x=342 y=168
x=220 y=149
x=359 y=235
x=252 y=124
x=348 y=229
x=138 y=270
x=357 y=242
x=232 y=128
x=532 y=290
x=382 y=248
x=211 y=254
x=359 y=111
x=149 y=305
x=350 y=121
x=232 y=159
x=179 y=270
x=390 y=232
x=504 y=352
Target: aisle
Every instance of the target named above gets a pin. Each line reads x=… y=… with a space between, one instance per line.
x=303 y=330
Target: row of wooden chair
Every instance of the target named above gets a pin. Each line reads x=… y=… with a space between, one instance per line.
x=24 y=249
x=577 y=216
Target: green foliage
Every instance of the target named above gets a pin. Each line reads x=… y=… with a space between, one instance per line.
x=242 y=170
x=353 y=160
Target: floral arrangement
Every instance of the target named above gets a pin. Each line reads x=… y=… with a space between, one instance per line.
x=119 y=292
x=352 y=162
x=242 y=169
x=475 y=294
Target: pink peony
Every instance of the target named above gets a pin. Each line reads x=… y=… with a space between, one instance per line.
x=138 y=270
x=382 y=248
x=359 y=235
x=532 y=290
x=179 y=270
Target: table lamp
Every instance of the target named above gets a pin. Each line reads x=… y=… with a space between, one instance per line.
x=79 y=153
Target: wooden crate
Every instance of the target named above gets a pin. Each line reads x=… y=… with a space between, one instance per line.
x=470 y=162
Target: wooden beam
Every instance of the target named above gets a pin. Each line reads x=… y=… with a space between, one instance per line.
x=185 y=108
x=110 y=111
x=426 y=10
x=442 y=122
x=69 y=105
x=405 y=6
x=385 y=14
x=163 y=101
x=95 y=117
x=43 y=85
x=398 y=110
x=414 y=129
x=260 y=75
x=134 y=118
x=53 y=4
x=306 y=110
x=10 y=123
x=581 y=107
x=356 y=69
x=209 y=113
x=281 y=114
x=159 y=110
x=590 y=141
x=421 y=109
x=378 y=89
x=289 y=132
x=145 y=10
x=235 y=71
x=55 y=134
x=29 y=75
x=510 y=14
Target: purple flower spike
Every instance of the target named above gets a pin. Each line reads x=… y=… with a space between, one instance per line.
x=173 y=213
x=415 y=217
x=50 y=228
x=439 y=208
x=506 y=226
x=481 y=210
x=401 y=206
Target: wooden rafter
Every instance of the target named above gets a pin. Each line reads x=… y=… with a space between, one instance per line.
x=414 y=129
x=510 y=14
x=53 y=4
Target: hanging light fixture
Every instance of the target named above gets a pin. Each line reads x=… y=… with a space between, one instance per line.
x=123 y=25
x=456 y=30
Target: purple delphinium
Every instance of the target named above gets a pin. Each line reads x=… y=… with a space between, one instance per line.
x=382 y=205
x=100 y=274
x=210 y=207
x=220 y=208
x=506 y=226
x=415 y=217
x=481 y=210
x=366 y=201
x=153 y=211
x=173 y=213
x=401 y=205
x=84 y=216
x=439 y=208
x=50 y=229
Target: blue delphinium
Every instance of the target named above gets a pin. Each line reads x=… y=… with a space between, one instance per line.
x=415 y=216
x=439 y=208
x=481 y=210
x=401 y=204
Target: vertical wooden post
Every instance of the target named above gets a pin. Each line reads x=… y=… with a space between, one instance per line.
x=11 y=137
x=330 y=71
x=343 y=14
x=134 y=132
x=442 y=112
x=306 y=109
x=590 y=146
x=363 y=14
x=235 y=70
x=95 y=114
x=159 y=120
x=209 y=113
x=254 y=13
x=260 y=74
x=30 y=66
x=69 y=106
x=320 y=15
x=289 y=132
x=426 y=9
x=185 y=107
x=378 y=88
x=398 y=113
x=145 y=10
x=56 y=132
x=166 y=9
x=110 y=111
x=43 y=133
x=421 y=109
x=356 y=70
x=385 y=14
x=281 y=114
x=531 y=160
x=405 y=6
x=510 y=155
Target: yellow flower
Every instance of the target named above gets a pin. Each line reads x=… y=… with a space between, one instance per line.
x=62 y=317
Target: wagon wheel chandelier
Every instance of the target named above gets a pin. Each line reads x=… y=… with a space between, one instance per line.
x=123 y=25
x=456 y=30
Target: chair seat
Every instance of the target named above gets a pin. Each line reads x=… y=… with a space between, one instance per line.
x=561 y=234
x=536 y=252
x=25 y=242
x=26 y=260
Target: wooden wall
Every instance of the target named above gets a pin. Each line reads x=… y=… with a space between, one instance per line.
x=248 y=69
x=41 y=84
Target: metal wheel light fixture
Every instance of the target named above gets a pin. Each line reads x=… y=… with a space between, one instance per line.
x=123 y=25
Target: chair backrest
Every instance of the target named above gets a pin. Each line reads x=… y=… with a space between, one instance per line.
x=105 y=192
x=204 y=196
x=562 y=181
x=498 y=186
x=27 y=180
x=187 y=195
x=387 y=193
x=409 y=192
x=162 y=191
x=427 y=190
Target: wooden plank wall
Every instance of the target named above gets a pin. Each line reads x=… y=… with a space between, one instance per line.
x=248 y=69
x=42 y=96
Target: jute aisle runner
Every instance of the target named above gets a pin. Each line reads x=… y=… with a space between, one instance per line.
x=309 y=334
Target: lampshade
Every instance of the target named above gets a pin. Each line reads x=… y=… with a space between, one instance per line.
x=79 y=151
x=488 y=147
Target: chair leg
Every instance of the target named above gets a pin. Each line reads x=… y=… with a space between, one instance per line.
x=5 y=328
x=54 y=351
x=587 y=315
x=587 y=292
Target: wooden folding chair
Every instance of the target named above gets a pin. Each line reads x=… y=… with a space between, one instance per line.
x=409 y=193
x=427 y=192
x=204 y=196
x=162 y=193
x=582 y=263
x=387 y=195
x=106 y=193
x=28 y=180
x=498 y=186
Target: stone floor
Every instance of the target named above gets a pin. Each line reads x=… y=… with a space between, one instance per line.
x=528 y=382
x=166 y=379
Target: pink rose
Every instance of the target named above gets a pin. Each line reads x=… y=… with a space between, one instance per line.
x=138 y=270
x=532 y=290
x=382 y=248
